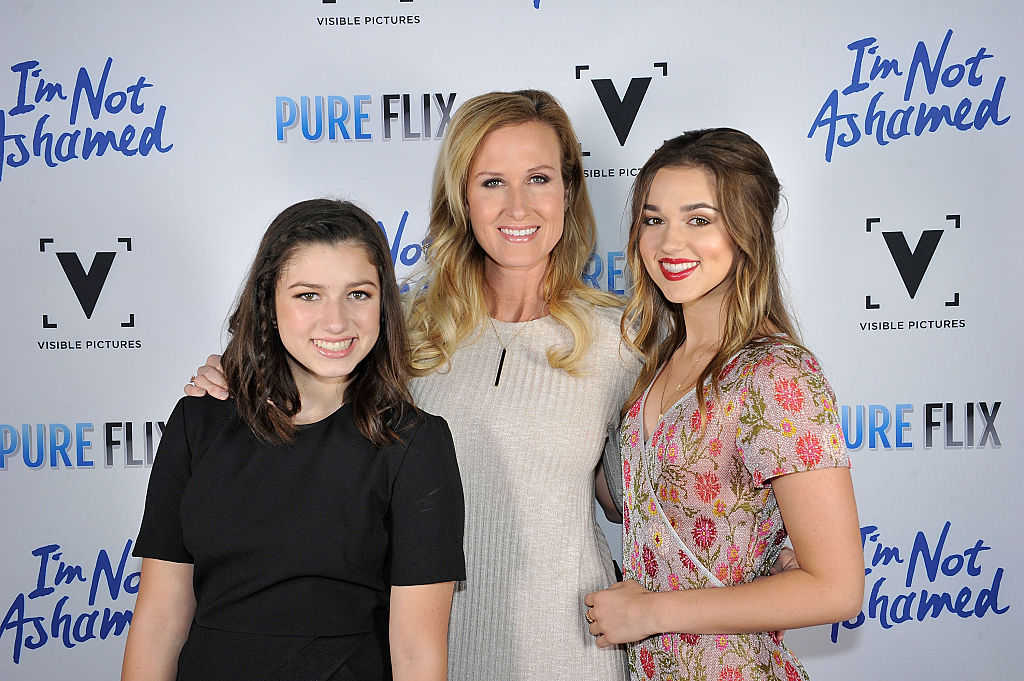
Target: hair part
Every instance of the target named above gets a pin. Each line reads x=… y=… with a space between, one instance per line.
x=255 y=360
x=747 y=192
x=453 y=305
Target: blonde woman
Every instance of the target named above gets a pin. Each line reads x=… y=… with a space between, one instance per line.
x=526 y=364
x=732 y=429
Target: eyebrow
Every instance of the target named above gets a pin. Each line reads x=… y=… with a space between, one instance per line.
x=354 y=284
x=534 y=169
x=685 y=208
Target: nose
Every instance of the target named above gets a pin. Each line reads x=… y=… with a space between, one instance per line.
x=336 y=317
x=516 y=202
x=673 y=238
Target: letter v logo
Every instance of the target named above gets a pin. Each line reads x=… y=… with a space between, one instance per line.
x=87 y=285
x=912 y=264
x=621 y=112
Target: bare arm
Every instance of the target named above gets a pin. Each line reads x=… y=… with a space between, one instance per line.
x=419 y=631
x=160 y=622
x=819 y=511
x=604 y=496
x=209 y=379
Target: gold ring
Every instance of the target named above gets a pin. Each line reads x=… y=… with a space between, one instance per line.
x=586 y=616
x=192 y=381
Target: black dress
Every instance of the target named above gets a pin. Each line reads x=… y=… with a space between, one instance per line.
x=296 y=546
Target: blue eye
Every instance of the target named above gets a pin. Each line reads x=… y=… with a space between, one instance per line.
x=539 y=179
x=492 y=182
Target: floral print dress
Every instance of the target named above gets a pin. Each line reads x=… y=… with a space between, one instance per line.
x=699 y=509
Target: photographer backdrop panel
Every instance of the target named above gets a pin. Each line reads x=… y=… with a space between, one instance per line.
x=145 y=150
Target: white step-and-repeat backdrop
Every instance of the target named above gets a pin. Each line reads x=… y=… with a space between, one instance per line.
x=145 y=147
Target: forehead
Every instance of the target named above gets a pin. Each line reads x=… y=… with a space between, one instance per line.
x=329 y=264
x=681 y=185
x=531 y=144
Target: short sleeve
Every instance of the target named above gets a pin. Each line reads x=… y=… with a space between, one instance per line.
x=427 y=510
x=789 y=421
x=161 y=535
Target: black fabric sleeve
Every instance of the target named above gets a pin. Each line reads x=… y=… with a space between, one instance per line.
x=160 y=535
x=427 y=510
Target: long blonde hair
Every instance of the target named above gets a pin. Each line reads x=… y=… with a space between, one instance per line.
x=451 y=306
x=747 y=192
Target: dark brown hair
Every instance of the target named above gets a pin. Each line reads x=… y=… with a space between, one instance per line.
x=255 y=360
x=747 y=192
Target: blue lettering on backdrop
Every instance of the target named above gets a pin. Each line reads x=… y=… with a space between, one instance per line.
x=61 y=446
x=958 y=425
x=58 y=581
x=931 y=561
x=99 y=99
x=845 y=130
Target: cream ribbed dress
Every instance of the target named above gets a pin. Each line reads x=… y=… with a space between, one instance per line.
x=527 y=449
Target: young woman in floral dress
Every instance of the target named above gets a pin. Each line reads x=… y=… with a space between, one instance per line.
x=731 y=430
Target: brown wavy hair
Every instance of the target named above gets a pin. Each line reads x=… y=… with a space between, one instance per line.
x=747 y=192
x=255 y=360
x=452 y=305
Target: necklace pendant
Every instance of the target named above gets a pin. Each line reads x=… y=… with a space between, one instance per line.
x=501 y=363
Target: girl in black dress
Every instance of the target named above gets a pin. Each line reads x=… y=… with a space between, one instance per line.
x=280 y=525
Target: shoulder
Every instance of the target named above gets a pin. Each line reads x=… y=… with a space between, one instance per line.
x=419 y=430
x=200 y=415
x=779 y=368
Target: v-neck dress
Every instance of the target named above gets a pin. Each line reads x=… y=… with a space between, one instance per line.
x=699 y=507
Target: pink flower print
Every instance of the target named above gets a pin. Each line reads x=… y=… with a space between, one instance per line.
x=833 y=440
x=787 y=428
x=813 y=365
x=788 y=394
x=721 y=641
x=627 y=474
x=733 y=553
x=730 y=674
x=722 y=572
x=673 y=493
x=719 y=508
x=715 y=447
x=687 y=563
x=695 y=421
x=737 y=574
x=673 y=581
x=808 y=448
x=707 y=486
x=647 y=662
x=748 y=369
x=764 y=528
x=671 y=434
x=791 y=673
x=661 y=451
x=729 y=407
x=656 y=538
x=652 y=508
x=690 y=639
x=635 y=409
x=663 y=493
x=744 y=391
x=634 y=438
x=625 y=518
x=650 y=562
x=704 y=532
x=666 y=643
x=758 y=479
x=728 y=368
x=760 y=548
x=826 y=405
x=777 y=656
x=673 y=452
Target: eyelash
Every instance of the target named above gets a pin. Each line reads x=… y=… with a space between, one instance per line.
x=310 y=296
x=494 y=181
x=653 y=220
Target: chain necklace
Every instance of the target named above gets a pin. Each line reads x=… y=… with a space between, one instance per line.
x=504 y=345
x=664 y=388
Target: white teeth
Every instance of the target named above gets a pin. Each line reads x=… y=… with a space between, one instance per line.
x=518 y=232
x=336 y=346
x=676 y=268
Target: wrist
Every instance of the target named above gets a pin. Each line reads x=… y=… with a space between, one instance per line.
x=665 y=612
